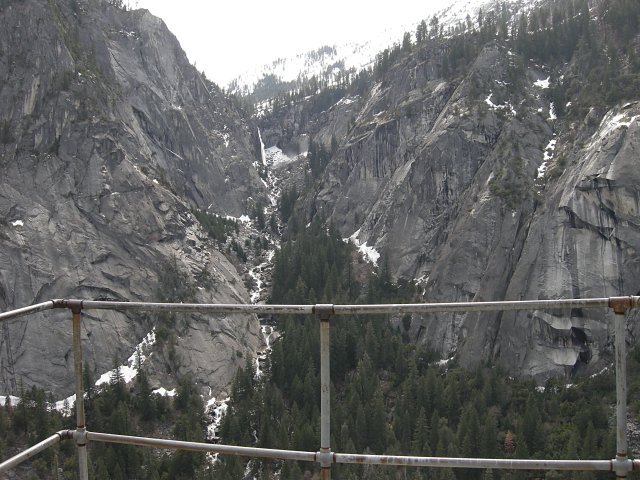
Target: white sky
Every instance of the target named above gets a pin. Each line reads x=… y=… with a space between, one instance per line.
x=228 y=37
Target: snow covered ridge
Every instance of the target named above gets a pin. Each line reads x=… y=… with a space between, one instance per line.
x=331 y=60
x=334 y=59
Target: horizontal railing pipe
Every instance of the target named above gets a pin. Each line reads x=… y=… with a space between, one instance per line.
x=473 y=306
x=494 y=463
x=198 y=307
x=204 y=447
x=350 y=309
x=37 y=448
x=619 y=304
x=21 y=312
x=511 y=305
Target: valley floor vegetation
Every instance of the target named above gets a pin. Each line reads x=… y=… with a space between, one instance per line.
x=389 y=396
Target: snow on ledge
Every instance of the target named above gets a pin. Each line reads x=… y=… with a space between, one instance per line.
x=17 y=223
x=618 y=121
x=12 y=400
x=369 y=253
x=444 y=362
x=507 y=106
x=346 y=101
x=128 y=372
x=163 y=392
x=130 y=369
x=611 y=122
x=241 y=219
x=548 y=156
x=542 y=83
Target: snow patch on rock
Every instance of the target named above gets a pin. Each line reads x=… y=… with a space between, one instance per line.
x=130 y=369
x=163 y=392
x=507 y=106
x=369 y=253
x=548 y=156
x=542 y=83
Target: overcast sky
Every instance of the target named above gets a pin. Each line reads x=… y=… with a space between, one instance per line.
x=225 y=38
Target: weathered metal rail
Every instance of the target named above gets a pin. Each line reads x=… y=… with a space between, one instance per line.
x=621 y=464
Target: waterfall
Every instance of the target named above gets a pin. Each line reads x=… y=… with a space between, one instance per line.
x=262 y=154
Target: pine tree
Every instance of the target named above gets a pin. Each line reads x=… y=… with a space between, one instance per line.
x=421 y=32
x=509 y=446
x=87 y=380
x=376 y=423
x=531 y=432
x=488 y=437
x=433 y=24
x=406 y=42
x=420 y=438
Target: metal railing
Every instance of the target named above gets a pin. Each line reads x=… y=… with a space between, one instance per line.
x=621 y=464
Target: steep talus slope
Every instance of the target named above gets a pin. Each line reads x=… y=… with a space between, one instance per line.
x=109 y=138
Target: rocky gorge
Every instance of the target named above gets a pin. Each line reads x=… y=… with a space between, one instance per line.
x=481 y=175
x=470 y=184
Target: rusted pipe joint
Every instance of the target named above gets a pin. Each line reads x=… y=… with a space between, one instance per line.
x=324 y=311
x=74 y=305
x=65 y=434
x=59 y=303
x=324 y=458
x=621 y=304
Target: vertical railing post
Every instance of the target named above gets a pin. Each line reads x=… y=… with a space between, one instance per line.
x=622 y=463
x=80 y=435
x=621 y=392
x=324 y=312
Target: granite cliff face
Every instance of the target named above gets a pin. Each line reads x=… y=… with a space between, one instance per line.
x=472 y=188
x=466 y=182
x=582 y=242
x=109 y=139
